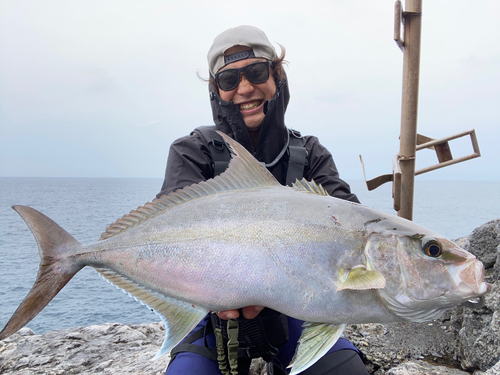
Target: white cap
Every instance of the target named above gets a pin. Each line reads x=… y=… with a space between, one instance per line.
x=244 y=35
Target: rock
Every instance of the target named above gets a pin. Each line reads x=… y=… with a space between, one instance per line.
x=495 y=370
x=463 y=242
x=480 y=334
x=389 y=345
x=108 y=349
x=421 y=368
x=258 y=367
x=484 y=243
x=463 y=339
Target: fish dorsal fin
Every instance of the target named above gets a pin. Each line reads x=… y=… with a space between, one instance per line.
x=315 y=341
x=243 y=172
x=179 y=317
x=133 y=218
x=309 y=187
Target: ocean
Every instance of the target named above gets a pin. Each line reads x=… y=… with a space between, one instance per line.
x=86 y=206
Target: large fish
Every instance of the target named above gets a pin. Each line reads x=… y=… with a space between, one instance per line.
x=243 y=239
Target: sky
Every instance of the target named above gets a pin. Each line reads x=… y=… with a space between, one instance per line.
x=102 y=88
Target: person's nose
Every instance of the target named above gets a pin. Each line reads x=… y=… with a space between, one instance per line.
x=245 y=87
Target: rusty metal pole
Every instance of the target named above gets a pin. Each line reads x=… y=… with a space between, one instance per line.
x=409 y=109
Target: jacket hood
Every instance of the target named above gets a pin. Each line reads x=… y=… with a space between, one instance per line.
x=273 y=132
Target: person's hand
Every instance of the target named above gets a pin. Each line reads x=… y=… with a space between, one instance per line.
x=249 y=312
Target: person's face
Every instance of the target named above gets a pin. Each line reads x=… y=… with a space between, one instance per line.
x=250 y=97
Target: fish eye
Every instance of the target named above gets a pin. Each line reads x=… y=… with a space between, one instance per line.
x=432 y=248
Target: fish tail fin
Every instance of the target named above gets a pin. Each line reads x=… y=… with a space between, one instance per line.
x=54 y=271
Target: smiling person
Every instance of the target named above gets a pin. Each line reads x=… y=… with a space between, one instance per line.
x=249 y=96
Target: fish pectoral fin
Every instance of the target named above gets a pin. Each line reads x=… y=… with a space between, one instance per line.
x=315 y=341
x=309 y=187
x=179 y=317
x=359 y=278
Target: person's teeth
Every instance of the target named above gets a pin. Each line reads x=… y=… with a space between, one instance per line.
x=247 y=106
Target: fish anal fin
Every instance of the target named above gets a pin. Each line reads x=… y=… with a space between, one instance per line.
x=315 y=341
x=359 y=278
x=179 y=317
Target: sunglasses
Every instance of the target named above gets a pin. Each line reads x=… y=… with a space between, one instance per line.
x=229 y=79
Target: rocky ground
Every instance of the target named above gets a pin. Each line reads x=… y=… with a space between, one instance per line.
x=463 y=341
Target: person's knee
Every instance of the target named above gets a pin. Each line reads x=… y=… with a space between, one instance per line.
x=341 y=362
x=192 y=364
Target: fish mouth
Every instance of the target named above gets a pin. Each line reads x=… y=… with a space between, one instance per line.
x=469 y=277
x=478 y=302
x=470 y=281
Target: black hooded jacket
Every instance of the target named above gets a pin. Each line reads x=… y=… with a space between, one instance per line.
x=189 y=160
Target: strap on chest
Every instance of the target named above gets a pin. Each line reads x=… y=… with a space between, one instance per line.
x=218 y=149
x=297 y=159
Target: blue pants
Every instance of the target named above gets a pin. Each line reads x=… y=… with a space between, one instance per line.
x=187 y=363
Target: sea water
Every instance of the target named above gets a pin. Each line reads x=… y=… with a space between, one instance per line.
x=85 y=207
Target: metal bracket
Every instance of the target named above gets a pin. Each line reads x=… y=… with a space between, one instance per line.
x=398 y=19
x=395 y=177
x=443 y=152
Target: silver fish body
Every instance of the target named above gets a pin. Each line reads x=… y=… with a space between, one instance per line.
x=242 y=239
x=275 y=247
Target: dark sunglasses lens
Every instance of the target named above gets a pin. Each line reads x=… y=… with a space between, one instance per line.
x=257 y=73
x=228 y=79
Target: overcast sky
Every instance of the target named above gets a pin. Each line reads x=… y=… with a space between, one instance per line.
x=101 y=88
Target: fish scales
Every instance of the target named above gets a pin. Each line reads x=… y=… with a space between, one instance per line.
x=200 y=249
x=242 y=239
